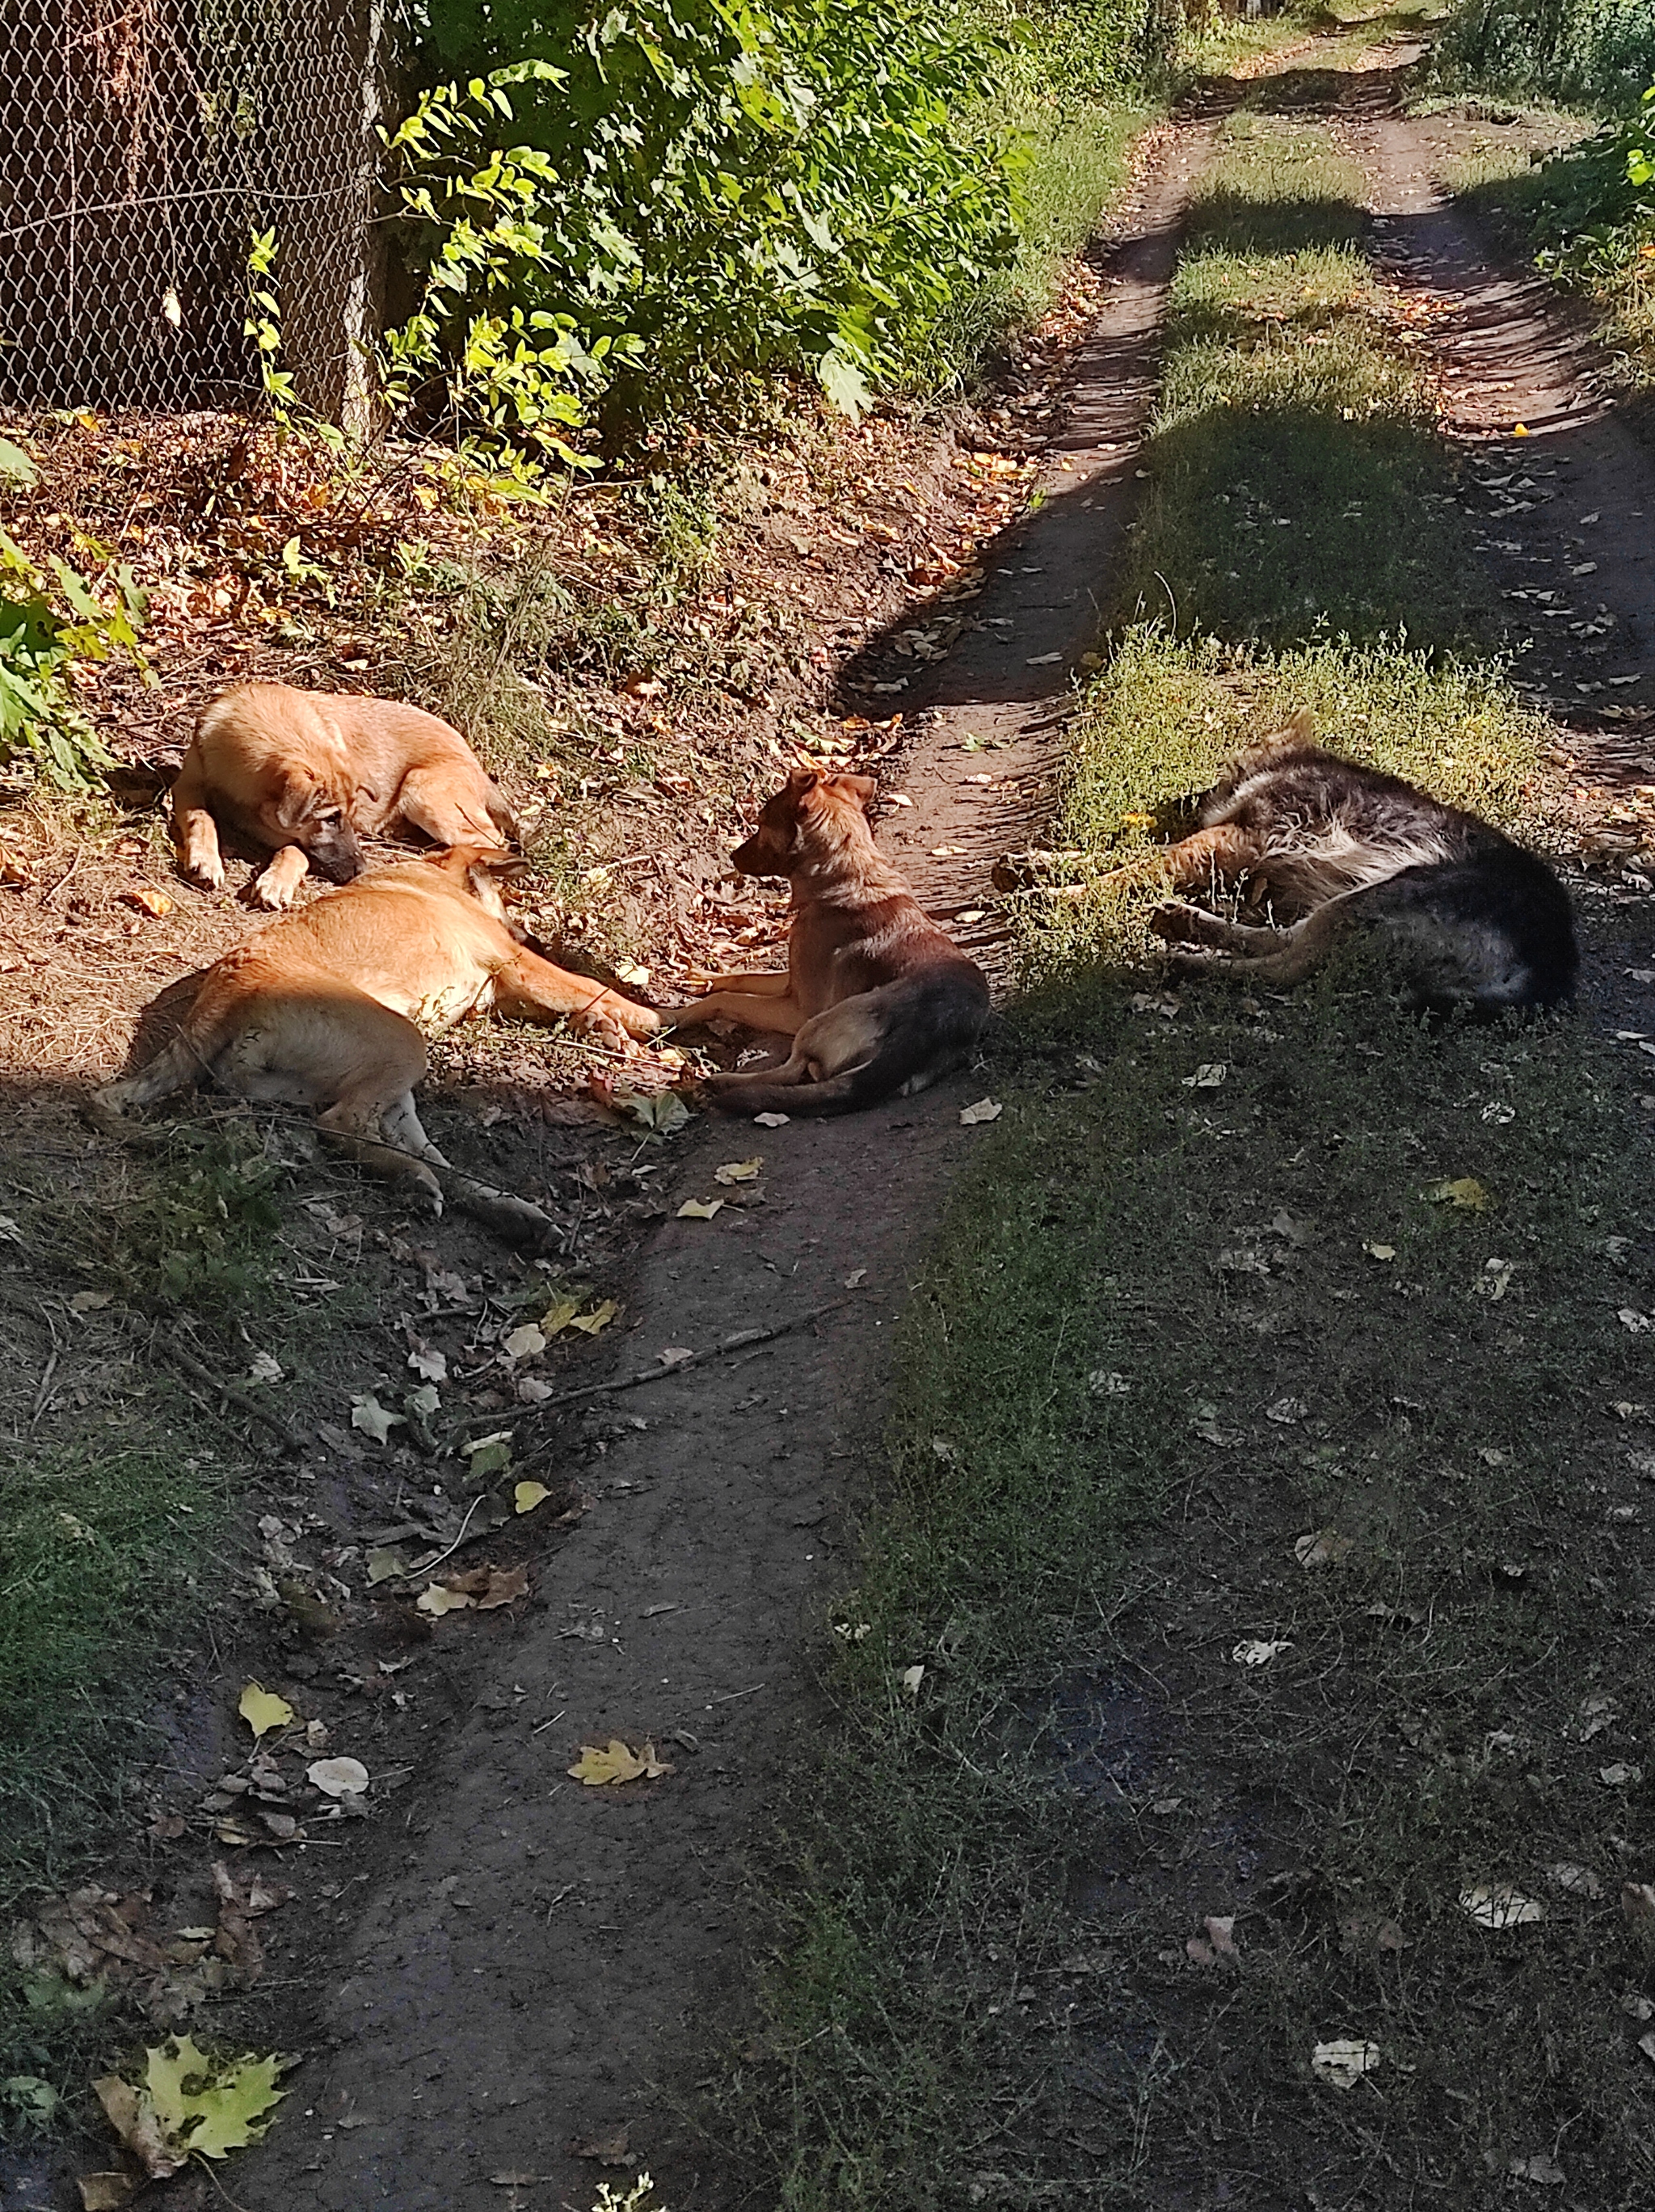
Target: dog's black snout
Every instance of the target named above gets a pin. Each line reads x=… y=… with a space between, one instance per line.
x=337 y=855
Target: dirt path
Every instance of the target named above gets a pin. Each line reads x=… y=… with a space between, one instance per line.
x=1508 y=355
x=538 y=1964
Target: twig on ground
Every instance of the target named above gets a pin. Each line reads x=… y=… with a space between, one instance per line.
x=744 y=1340
x=170 y=1348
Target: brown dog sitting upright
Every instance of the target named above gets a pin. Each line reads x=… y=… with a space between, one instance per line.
x=876 y=999
x=330 y=1009
x=299 y=774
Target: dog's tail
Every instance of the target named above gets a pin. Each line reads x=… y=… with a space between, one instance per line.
x=929 y=1025
x=202 y=1036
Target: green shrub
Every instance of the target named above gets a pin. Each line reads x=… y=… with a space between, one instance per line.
x=1593 y=54
x=699 y=196
x=43 y=631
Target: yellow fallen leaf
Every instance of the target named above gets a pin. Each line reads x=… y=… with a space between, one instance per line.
x=740 y=1171
x=589 y=1324
x=558 y=1317
x=1521 y=430
x=527 y=1495
x=263 y=1709
x=434 y=1598
x=1465 y=1192
x=700 y=1209
x=211 y=2105
x=190 y=2105
x=614 y=1762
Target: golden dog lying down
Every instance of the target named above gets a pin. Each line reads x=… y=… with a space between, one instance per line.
x=326 y=1008
x=298 y=774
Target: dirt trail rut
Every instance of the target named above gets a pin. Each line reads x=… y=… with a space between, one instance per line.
x=540 y=1964
x=1510 y=355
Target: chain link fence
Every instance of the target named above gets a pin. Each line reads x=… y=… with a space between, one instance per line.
x=144 y=144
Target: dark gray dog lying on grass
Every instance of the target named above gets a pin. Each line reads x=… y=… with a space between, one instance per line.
x=1472 y=920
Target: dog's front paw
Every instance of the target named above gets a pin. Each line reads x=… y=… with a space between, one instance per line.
x=270 y=893
x=205 y=875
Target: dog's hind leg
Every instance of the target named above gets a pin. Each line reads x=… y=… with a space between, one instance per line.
x=517 y=1219
x=424 y=801
x=181 y=1066
x=1298 y=952
x=1192 y=925
x=758 y=1010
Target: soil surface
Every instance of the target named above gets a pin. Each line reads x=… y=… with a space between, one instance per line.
x=502 y=1972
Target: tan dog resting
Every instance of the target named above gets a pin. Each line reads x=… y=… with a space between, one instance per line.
x=325 y=1008
x=876 y=999
x=301 y=773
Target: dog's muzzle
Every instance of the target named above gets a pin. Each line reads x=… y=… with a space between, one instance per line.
x=338 y=859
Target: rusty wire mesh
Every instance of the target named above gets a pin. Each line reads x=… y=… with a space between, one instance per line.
x=144 y=143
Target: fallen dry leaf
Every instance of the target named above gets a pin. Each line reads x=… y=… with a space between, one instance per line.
x=614 y=1762
x=338 y=1778
x=436 y=1599
x=610 y=2149
x=429 y=1365
x=1325 y=1547
x=1619 y=1775
x=106 y=2192
x=368 y=1415
x=1343 y=2062
x=660 y=1112
x=86 y=1302
x=1465 y=1192
x=263 y=1709
x=1255 y=1651
x=525 y=1496
x=145 y=901
x=740 y=1171
x=1497 y=1904
x=1380 y=1251
x=524 y=1343
x=265 y=1369
x=504 y=1586
x=1207 y=1077
x=912 y=1679
x=700 y=1209
x=1638 y=1904
x=189 y=2105
x=985 y=1109
x=773 y=1120
x=1540 y=2168
x=599 y=1318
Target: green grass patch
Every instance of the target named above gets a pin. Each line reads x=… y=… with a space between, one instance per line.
x=1127 y=1389
x=1299 y=488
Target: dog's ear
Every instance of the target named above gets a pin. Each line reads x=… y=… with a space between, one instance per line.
x=862 y=788
x=802 y=781
x=302 y=795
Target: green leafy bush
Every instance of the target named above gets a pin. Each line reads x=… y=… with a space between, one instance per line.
x=1592 y=53
x=50 y=618
x=699 y=196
